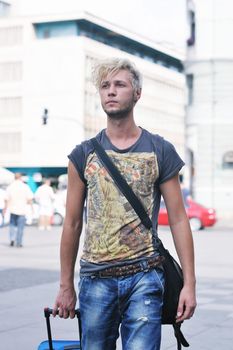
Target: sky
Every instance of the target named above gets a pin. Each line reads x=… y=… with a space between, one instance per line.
x=162 y=21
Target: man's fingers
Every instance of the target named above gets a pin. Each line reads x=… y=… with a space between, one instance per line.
x=66 y=313
x=61 y=312
x=72 y=313
x=180 y=309
x=65 y=303
x=55 y=308
x=188 y=313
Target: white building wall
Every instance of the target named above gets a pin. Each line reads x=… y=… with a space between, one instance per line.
x=54 y=74
x=53 y=80
x=11 y=81
x=213 y=29
x=51 y=76
x=209 y=117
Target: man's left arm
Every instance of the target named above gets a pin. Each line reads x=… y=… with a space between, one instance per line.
x=182 y=236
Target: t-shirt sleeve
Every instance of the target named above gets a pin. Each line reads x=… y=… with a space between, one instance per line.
x=77 y=157
x=171 y=163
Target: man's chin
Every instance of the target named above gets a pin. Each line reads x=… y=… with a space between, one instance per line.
x=116 y=114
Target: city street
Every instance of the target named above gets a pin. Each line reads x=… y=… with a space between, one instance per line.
x=29 y=282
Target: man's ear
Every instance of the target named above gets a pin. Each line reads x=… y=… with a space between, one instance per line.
x=137 y=95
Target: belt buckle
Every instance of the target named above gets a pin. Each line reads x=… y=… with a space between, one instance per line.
x=102 y=275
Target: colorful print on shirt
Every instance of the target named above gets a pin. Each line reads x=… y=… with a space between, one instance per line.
x=118 y=233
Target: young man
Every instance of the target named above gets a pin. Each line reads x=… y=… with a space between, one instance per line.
x=111 y=292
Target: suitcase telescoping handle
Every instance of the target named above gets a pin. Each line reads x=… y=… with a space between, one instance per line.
x=47 y=313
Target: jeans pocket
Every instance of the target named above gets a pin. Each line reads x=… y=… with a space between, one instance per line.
x=159 y=276
x=80 y=283
x=85 y=283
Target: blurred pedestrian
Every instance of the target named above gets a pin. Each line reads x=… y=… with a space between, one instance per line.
x=45 y=196
x=2 y=206
x=19 y=195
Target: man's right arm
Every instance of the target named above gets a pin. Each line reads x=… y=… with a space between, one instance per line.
x=72 y=229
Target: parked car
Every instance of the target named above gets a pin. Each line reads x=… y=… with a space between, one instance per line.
x=199 y=216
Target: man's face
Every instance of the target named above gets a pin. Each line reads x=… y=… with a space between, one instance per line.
x=117 y=94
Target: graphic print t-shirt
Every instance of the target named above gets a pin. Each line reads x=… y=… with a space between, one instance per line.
x=114 y=233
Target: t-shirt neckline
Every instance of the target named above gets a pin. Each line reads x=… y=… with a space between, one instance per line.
x=125 y=150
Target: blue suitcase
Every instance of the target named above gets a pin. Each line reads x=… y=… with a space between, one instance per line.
x=51 y=344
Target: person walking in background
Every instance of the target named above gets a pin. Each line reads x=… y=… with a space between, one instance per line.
x=2 y=206
x=45 y=196
x=121 y=277
x=19 y=195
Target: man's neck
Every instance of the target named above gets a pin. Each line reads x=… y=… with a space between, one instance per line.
x=122 y=133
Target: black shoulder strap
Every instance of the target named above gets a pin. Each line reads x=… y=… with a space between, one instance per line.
x=122 y=184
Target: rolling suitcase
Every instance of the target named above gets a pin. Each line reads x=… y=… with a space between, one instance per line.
x=51 y=344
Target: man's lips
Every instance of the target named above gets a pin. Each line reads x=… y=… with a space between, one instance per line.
x=111 y=102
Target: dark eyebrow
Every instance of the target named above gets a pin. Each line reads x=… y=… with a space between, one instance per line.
x=119 y=81
x=115 y=81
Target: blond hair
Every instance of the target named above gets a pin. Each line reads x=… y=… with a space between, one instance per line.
x=114 y=65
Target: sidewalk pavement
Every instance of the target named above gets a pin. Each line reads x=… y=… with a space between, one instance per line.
x=30 y=278
x=224 y=224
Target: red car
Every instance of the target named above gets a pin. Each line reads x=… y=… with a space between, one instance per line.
x=199 y=216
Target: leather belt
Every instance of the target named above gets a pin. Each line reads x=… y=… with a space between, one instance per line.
x=130 y=269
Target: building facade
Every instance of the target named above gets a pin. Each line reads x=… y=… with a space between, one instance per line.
x=209 y=123
x=48 y=103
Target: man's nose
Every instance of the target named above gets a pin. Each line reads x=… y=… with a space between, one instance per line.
x=111 y=90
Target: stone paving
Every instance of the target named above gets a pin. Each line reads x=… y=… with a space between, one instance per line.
x=29 y=281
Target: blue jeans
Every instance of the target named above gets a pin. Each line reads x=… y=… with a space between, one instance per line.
x=134 y=302
x=17 y=223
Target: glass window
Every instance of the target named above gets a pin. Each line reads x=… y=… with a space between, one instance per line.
x=10 y=142
x=228 y=160
x=10 y=71
x=10 y=107
x=10 y=36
